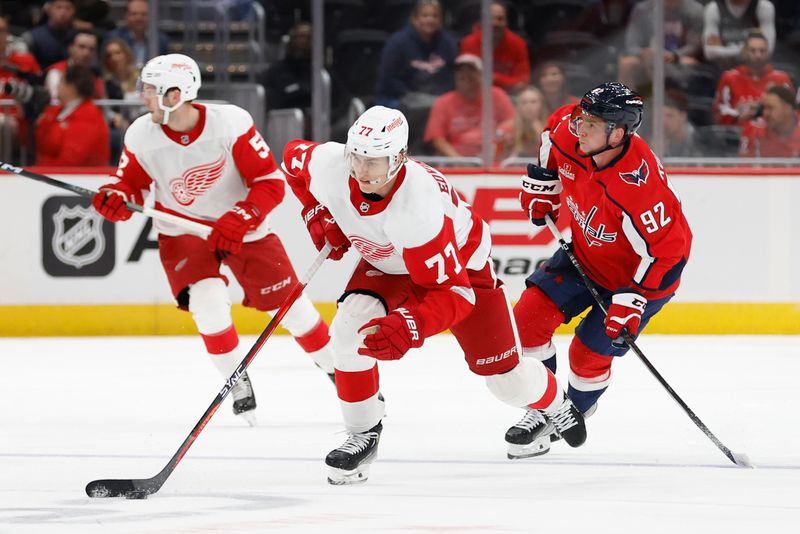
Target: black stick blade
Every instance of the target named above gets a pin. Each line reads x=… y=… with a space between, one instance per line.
x=120 y=488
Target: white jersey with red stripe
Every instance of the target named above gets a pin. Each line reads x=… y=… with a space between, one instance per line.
x=202 y=173
x=421 y=228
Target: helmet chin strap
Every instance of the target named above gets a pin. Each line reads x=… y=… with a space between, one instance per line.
x=391 y=175
x=166 y=109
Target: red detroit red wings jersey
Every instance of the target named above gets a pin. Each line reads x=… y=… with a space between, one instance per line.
x=628 y=228
x=421 y=228
x=202 y=173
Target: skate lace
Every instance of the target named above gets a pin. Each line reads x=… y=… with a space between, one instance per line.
x=242 y=389
x=562 y=417
x=531 y=420
x=357 y=442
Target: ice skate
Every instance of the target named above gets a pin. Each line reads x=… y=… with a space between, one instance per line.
x=569 y=422
x=349 y=463
x=531 y=436
x=244 y=399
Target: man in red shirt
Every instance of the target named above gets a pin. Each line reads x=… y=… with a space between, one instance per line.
x=82 y=50
x=511 y=67
x=740 y=89
x=776 y=134
x=75 y=132
x=628 y=233
x=454 y=125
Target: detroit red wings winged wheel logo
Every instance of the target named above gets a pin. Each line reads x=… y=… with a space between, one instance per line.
x=371 y=251
x=196 y=181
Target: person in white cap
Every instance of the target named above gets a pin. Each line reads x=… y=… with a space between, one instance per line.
x=425 y=267
x=207 y=162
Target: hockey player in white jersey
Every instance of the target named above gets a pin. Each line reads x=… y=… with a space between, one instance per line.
x=425 y=267
x=208 y=163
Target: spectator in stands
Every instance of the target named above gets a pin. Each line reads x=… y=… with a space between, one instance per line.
x=776 y=134
x=679 y=133
x=134 y=32
x=740 y=90
x=73 y=133
x=510 y=64
x=120 y=76
x=287 y=82
x=417 y=62
x=48 y=42
x=454 y=125
x=16 y=72
x=529 y=122
x=726 y=24
x=552 y=81
x=683 y=29
x=82 y=50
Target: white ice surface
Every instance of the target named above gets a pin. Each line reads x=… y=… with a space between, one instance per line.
x=74 y=410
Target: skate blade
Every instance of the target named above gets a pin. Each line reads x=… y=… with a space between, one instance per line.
x=250 y=417
x=340 y=477
x=537 y=447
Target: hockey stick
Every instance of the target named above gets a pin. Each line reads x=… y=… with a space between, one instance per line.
x=140 y=488
x=186 y=224
x=739 y=459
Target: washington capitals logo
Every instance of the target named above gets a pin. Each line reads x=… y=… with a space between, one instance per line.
x=637 y=177
x=595 y=235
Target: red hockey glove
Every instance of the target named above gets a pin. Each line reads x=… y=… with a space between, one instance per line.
x=625 y=312
x=390 y=337
x=323 y=227
x=229 y=230
x=110 y=201
x=541 y=194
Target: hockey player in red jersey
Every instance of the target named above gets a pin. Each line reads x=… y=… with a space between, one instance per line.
x=628 y=233
x=425 y=267
x=210 y=164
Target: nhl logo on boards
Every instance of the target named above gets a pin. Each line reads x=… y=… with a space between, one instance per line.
x=76 y=240
x=364 y=207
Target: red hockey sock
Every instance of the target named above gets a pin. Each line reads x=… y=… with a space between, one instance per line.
x=221 y=342
x=314 y=339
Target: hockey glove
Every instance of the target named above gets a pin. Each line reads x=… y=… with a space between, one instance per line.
x=625 y=313
x=110 y=201
x=390 y=337
x=322 y=227
x=229 y=230
x=541 y=194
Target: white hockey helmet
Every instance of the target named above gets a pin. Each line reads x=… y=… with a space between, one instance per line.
x=172 y=71
x=379 y=132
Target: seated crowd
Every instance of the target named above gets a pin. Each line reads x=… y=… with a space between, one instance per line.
x=730 y=79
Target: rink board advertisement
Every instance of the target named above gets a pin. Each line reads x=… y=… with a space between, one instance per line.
x=68 y=271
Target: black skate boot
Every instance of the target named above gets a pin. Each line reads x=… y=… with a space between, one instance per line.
x=349 y=463
x=531 y=436
x=244 y=400
x=569 y=423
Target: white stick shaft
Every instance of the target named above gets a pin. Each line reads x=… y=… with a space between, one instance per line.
x=187 y=224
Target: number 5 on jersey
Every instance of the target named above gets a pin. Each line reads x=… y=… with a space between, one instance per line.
x=259 y=145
